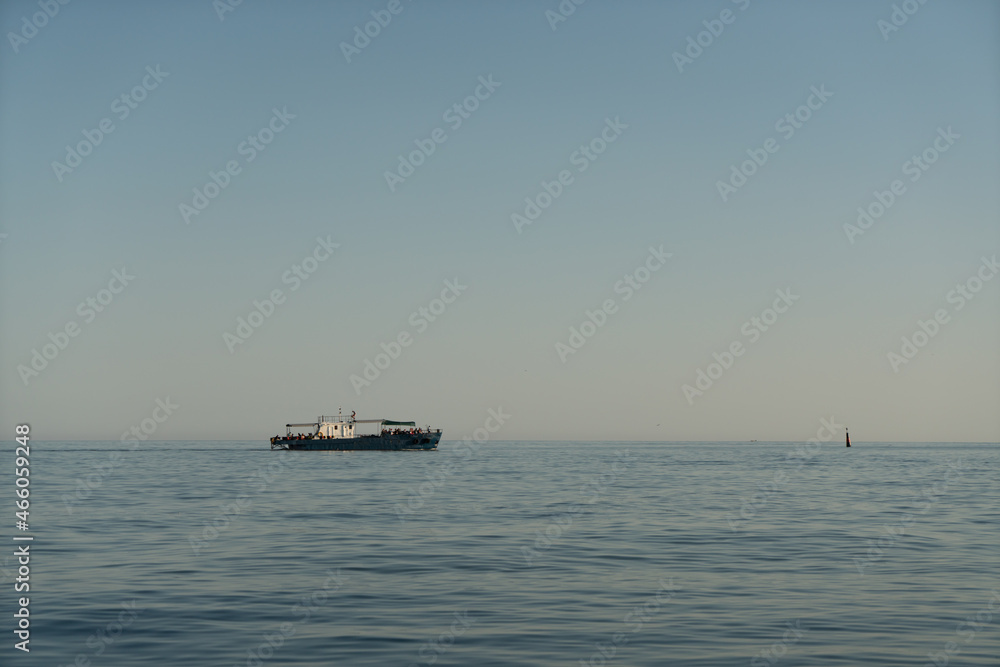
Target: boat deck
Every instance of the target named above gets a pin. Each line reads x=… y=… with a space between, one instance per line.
x=387 y=442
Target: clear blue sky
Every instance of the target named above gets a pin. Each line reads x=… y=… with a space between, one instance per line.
x=323 y=175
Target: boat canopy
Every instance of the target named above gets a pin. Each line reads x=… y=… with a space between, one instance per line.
x=341 y=419
x=384 y=422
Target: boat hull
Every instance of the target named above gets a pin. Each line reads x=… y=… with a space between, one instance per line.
x=389 y=443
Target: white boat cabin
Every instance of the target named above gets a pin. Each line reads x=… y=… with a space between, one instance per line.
x=335 y=429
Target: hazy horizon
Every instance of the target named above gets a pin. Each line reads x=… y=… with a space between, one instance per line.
x=639 y=223
x=263 y=441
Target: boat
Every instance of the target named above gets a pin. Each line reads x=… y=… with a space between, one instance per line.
x=341 y=433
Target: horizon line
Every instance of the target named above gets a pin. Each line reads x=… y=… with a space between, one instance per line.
x=874 y=442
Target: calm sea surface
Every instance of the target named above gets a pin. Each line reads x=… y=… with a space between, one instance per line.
x=520 y=553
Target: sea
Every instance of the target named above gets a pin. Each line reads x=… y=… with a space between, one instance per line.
x=507 y=553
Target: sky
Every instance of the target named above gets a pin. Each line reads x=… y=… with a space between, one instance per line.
x=601 y=209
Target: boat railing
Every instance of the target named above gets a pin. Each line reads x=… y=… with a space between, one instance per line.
x=335 y=418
